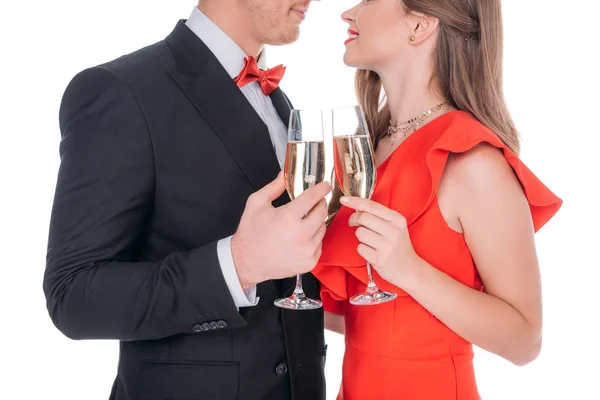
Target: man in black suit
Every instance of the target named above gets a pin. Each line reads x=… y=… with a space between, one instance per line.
x=163 y=234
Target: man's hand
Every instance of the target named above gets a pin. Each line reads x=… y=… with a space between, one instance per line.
x=276 y=243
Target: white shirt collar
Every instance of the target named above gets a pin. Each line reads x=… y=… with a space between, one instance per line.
x=229 y=54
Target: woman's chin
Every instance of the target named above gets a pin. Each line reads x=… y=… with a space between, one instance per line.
x=350 y=60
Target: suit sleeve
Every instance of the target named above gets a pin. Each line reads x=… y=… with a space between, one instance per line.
x=103 y=204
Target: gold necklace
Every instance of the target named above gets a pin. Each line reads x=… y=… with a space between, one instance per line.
x=413 y=123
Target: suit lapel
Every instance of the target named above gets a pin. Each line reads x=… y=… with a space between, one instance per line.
x=214 y=94
x=218 y=99
x=282 y=105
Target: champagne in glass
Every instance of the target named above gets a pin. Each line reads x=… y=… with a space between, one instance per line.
x=304 y=168
x=355 y=173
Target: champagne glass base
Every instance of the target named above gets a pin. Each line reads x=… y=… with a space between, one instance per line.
x=371 y=299
x=296 y=302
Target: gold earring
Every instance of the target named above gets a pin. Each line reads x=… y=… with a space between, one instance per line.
x=412 y=38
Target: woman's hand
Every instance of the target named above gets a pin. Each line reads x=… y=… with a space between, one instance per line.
x=385 y=242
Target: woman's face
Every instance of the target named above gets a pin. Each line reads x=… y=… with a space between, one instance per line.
x=379 y=34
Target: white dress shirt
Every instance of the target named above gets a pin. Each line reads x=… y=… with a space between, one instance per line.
x=231 y=57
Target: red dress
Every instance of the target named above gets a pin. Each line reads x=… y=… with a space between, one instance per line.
x=398 y=350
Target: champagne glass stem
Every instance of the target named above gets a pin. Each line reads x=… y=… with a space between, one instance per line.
x=372 y=286
x=298 y=290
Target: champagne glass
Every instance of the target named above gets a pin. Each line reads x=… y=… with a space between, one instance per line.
x=355 y=173
x=304 y=168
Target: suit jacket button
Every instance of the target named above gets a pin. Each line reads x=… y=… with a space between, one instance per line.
x=222 y=324
x=212 y=325
x=197 y=328
x=281 y=369
x=205 y=326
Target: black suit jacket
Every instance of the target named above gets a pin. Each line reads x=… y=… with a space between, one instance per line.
x=159 y=153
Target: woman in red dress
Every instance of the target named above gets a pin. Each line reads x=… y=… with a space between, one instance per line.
x=450 y=225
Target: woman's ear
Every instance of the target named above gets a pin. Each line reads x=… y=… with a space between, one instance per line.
x=422 y=27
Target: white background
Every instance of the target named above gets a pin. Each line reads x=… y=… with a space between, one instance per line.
x=552 y=87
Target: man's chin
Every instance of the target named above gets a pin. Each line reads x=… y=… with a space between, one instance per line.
x=288 y=38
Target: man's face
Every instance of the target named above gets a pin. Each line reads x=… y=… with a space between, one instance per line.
x=275 y=22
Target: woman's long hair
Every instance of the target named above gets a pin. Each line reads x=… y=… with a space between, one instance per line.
x=468 y=70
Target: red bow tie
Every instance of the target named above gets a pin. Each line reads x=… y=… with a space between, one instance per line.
x=268 y=79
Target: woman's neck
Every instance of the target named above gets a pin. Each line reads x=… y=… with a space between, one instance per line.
x=410 y=93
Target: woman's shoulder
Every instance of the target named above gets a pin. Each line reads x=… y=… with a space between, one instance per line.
x=458 y=141
x=462 y=132
x=482 y=165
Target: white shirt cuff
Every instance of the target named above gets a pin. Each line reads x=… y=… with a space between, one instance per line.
x=241 y=297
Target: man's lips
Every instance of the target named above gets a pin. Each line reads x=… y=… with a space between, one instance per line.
x=301 y=13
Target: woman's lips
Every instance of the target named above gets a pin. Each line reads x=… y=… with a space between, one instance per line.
x=353 y=36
